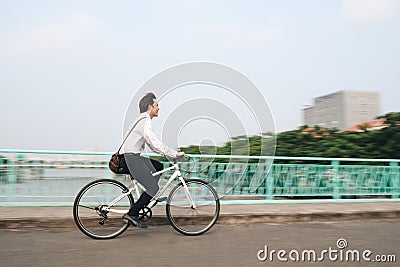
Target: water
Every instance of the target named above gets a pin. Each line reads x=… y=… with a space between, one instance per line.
x=53 y=185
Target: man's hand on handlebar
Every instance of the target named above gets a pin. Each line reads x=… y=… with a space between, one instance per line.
x=180 y=154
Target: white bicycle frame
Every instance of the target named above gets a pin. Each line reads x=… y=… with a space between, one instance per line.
x=135 y=187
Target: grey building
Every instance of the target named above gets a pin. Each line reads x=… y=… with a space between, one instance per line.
x=342 y=109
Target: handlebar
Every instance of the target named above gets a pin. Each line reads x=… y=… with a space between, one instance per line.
x=176 y=159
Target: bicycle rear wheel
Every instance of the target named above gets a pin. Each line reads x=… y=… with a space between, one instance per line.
x=90 y=209
x=185 y=218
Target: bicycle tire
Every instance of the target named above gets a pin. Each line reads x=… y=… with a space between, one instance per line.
x=184 y=218
x=87 y=209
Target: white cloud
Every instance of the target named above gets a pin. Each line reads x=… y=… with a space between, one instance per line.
x=369 y=11
x=187 y=3
x=231 y=37
x=65 y=35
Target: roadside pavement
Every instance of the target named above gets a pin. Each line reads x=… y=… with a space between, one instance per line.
x=52 y=217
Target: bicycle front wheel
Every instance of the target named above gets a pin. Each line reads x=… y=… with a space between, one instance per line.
x=92 y=212
x=194 y=219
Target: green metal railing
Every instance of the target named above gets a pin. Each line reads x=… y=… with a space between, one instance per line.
x=43 y=177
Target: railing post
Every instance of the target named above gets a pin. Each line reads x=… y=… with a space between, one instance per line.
x=11 y=179
x=195 y=167
x=395 y=167
x=11 y=171
x=270 y=183
x=336 y=193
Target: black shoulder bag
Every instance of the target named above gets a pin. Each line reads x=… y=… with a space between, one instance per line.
x=114 y=161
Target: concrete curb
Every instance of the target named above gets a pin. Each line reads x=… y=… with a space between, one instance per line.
x=225 y=219
x=306 y=217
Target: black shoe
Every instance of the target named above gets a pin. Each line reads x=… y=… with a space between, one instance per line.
x=161 y=199
x=134 y=220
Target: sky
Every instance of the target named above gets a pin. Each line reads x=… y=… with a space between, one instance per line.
x=69 y=69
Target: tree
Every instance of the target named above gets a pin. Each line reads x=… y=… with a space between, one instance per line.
x=383 y=143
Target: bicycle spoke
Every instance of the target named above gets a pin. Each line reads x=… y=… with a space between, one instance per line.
x=83 y=206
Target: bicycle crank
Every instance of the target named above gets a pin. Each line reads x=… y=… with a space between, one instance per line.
x=145 y=214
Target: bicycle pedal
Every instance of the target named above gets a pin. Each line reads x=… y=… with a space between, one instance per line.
x=161 y=199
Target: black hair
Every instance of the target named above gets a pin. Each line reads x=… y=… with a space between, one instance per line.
x=147 y=100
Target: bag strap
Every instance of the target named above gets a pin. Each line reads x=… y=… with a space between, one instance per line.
x=126 y=137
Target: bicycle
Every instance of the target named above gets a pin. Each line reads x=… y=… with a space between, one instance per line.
x=192 y=206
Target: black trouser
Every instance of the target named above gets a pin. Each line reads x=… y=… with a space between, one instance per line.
x=141 y=169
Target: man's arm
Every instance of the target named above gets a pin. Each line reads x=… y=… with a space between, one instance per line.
x=155 y=144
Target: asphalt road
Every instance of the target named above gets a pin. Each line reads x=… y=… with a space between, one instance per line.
x=224 y=245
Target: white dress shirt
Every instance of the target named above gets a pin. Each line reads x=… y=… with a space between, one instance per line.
x=143 y=134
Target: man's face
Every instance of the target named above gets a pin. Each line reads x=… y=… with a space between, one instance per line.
x=155 y=109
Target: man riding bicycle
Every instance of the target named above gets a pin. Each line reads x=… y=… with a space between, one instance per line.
x=141 y=168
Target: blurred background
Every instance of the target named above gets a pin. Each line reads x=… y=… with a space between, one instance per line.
x=68 y=69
